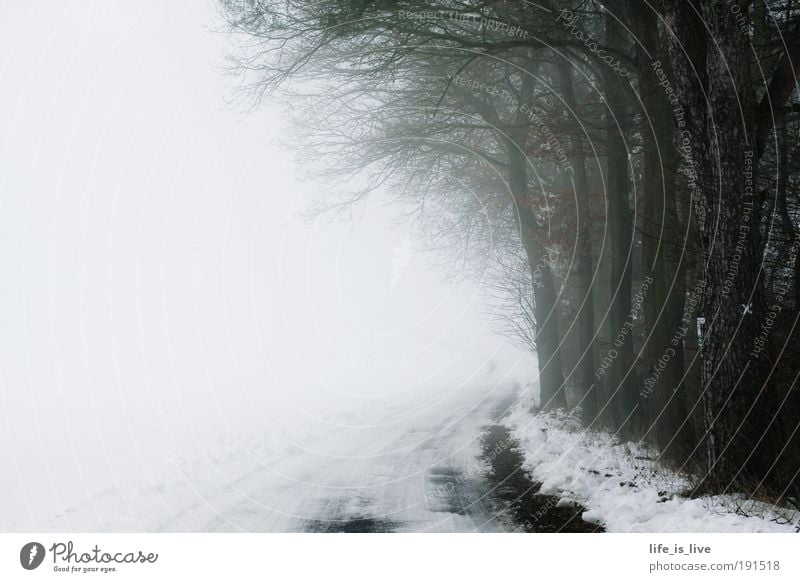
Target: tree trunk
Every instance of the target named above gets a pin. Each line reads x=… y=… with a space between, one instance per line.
x=548 y=336
x=622 y=389
x=663 y=396
x=718 y=145
x=584 y=371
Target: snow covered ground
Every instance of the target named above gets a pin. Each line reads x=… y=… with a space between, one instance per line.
x=413 y=465
x=621 y=488
x=403 y=466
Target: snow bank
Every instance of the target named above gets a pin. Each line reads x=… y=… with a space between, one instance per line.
x=621 y=487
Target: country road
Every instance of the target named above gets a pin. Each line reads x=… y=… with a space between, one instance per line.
x=411 y=472
x=410 y=467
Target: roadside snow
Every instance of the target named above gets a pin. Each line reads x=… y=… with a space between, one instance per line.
x=621 y=487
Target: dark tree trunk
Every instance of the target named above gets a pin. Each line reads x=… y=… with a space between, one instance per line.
x=584 y=371
x=718 y=145
x=665 y=243
x=623 y=389
x=548 y=336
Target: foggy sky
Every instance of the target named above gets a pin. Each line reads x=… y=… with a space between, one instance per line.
x=158 y=285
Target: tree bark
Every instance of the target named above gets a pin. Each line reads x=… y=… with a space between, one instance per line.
x=663 y=397
x=623 y=390
x=548 y=336
x=718 y=144
x=583 y=374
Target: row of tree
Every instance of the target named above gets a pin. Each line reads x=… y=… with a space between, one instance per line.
x=622 y=176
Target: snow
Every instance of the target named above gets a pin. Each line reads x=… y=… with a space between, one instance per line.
x=621 y=487
x=406 y=465
x=413 y=465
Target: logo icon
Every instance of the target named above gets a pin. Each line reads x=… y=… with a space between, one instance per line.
x=31 y=555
